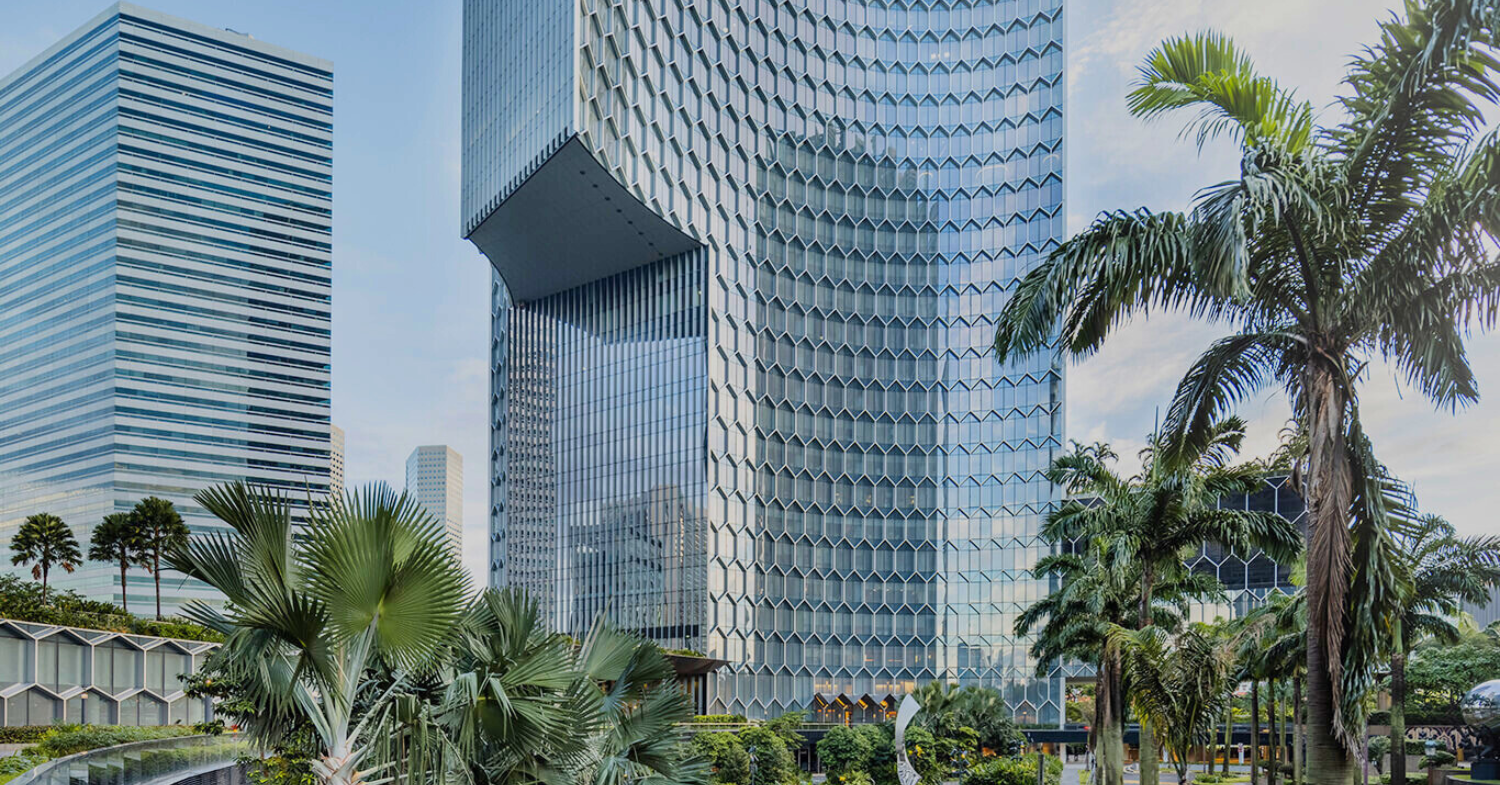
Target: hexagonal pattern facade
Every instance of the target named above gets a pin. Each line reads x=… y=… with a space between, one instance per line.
x=65 y=674
x=788 y=447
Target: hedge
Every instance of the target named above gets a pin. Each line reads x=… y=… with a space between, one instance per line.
x=23 y=734
x=71 y=739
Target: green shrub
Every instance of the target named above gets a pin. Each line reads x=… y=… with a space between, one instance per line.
x=1419 y=746
x=844 y=750
x=69 y=739
x=1208 y=779
x=1438 y=759
x=773 y=761
x=789 y=726
x=21 y=600
x=1014 y=771
x=719 y=719
x=852 y=778
x=726 y=757
x=23 y=734
x=21 y=761
x=1377 y=748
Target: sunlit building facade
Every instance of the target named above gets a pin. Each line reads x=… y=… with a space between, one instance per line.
x=746 y=261
x=165 y=276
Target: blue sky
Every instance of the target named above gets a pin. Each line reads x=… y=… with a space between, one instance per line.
x=411 y=310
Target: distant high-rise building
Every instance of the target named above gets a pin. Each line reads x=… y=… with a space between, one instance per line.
x=165 y=271
x=747 y=261
x=336 y=460
x=435 y=476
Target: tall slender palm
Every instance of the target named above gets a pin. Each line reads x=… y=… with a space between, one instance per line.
x=1272 y=645
x=44 y=542
x=1180 y=681
x=161 y=530
x=333 y=630
x=1167 y=510
x=1442 y=572
x=1334 y=244
x=118 y=540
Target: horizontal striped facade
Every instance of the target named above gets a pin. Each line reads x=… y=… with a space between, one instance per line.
x=165 y=275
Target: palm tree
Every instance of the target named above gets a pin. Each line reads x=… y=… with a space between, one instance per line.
x=161 y=531
x=335 y=630
x=1095 y=589
x=1181 y=682
x=44 y=542
x=1442 y=572
x=1334 y=244
x=529 y=706
x=1171 y=507
x=1272 y=646
x=118 y=540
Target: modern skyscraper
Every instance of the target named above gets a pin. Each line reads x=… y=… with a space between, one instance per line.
x=165 y=214
x=746 y=261
x=435 y=476
x=335 y=460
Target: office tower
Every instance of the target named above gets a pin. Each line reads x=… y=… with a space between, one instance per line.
x=435 y=477
x=165 y=213
x=746 y=261
x=336 y=460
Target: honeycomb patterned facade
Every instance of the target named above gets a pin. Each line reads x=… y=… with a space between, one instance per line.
x=54 y=674
x=772 y=431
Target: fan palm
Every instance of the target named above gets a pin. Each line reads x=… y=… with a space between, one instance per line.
x=44 y=542
x=1372 y=237
x=1442 y=572
x=1168 y=510
x=118 y=540
x=1181 y=682
x=333 y=629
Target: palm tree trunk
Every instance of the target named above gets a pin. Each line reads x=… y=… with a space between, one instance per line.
x=124 y=600
x=1111 y=741
x=1398 y=708
x=1228 y=736
x=1095 y=729
x=44 y=583
x=1150 y=749
x=1328 y=492
x=156 y=574
x=1299 y=774
x=1254 y=733
x=1273 y=774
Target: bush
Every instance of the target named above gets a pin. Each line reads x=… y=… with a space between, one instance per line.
x=853 y=778
x=1437 y=759
x=719 y=719
x=726 y=756
x=1419 y=746
x=788 y=726
x=1014 y=771
x=23 y=734
x=844 y=750
x=21 y=761
x=1378 y=747
x=22 y=600
x=69 y=739
x=773 y=761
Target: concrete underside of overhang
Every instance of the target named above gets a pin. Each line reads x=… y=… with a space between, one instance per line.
x=570 y=223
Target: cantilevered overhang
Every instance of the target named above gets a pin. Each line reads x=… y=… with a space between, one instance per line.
x=570 y=223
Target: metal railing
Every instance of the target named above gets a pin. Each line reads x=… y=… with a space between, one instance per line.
x=152 y=762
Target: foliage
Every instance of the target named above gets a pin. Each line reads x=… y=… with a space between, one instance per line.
x=726 y=757
x=19 y=762
x=1378 y=748
x=718 y=719
x=23 y=734
x=69 y=739
x=1438 y=676
x=1180 y=683
x=280 y=769
x=854 y=778
x=844 y=749
x=44 y=541
x=22 y=600
x=787 y=726
x=951 y=712
x=1332 y=245
x=772 y=761
x=1013 y=771
x=1436 y=759
x=1419 y=746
